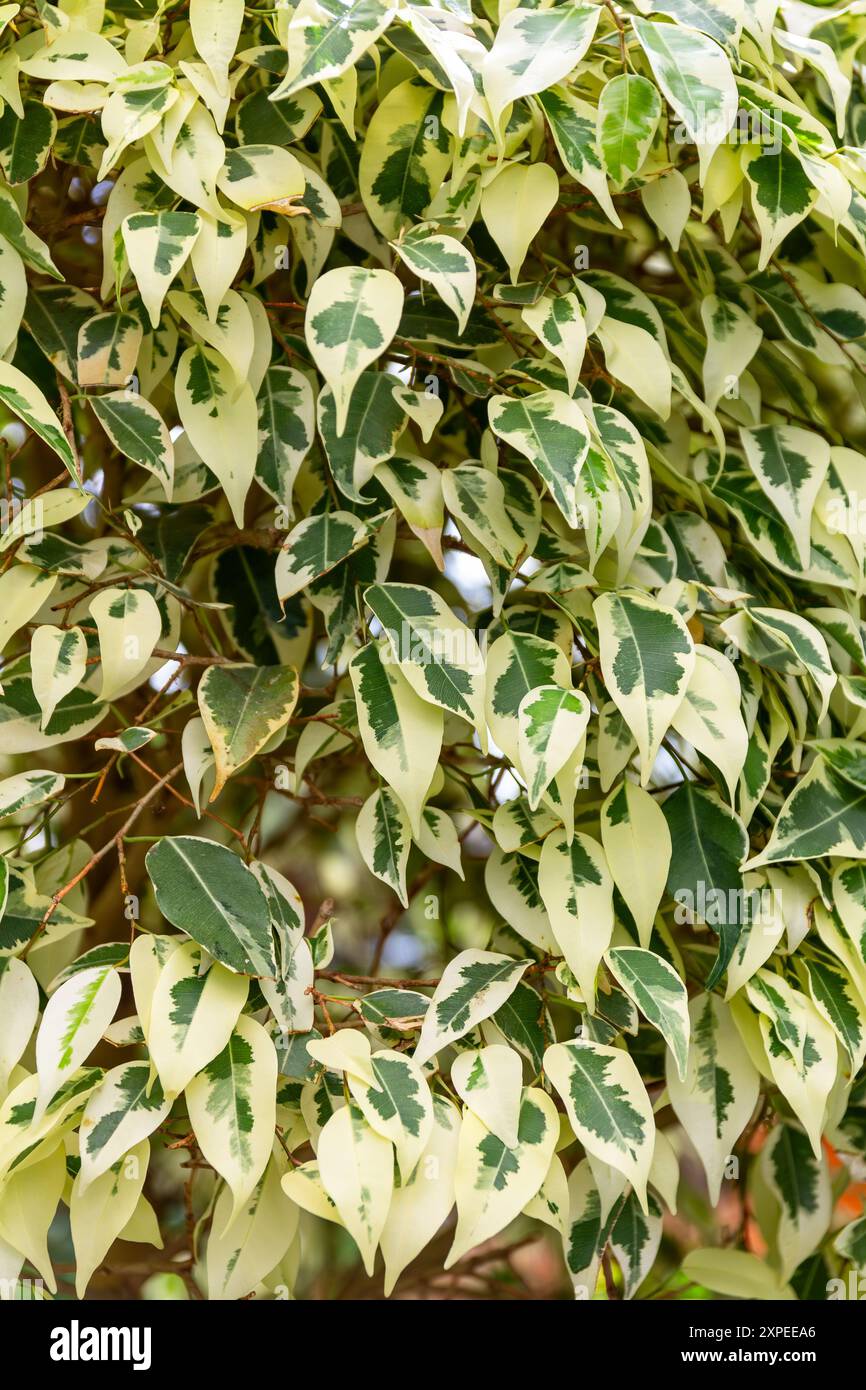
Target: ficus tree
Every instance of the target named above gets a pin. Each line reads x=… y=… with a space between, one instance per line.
x=433 y=682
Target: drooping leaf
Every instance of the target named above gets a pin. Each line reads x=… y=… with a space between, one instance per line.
x=74 y=1020
x=493 y=1182
x=647 y=659
x=607 y=1105
x=231 y=1107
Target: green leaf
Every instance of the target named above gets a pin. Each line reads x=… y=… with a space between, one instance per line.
x=524 y=1023
x=207 y=891
x=550 y=430
x=54 y=314
x=26 y=140
x=659 y=993
x=705 y=876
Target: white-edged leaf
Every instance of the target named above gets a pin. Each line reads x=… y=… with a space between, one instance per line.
x=493 y=1183
x=352 y=315
x=647 y=658
x=209 y=892
x=396 y=1103
x=384 y=835
x=715 y=1100
x=124 y=1109
x=401 y=733
x=607 y=1106
x=577 y=890
x=356 y=1165
x=232 y=1109
x=129 y=624
x=242 y=707
x=489 y=1081
x=473 y=986
x=191 y=1015
x=74 y=1020
x=659 y=993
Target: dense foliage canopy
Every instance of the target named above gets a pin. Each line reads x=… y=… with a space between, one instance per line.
x=433 y=798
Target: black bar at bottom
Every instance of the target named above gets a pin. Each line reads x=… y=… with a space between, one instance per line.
x=648 y=1337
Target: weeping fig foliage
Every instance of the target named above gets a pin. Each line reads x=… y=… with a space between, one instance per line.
x=433 y=711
